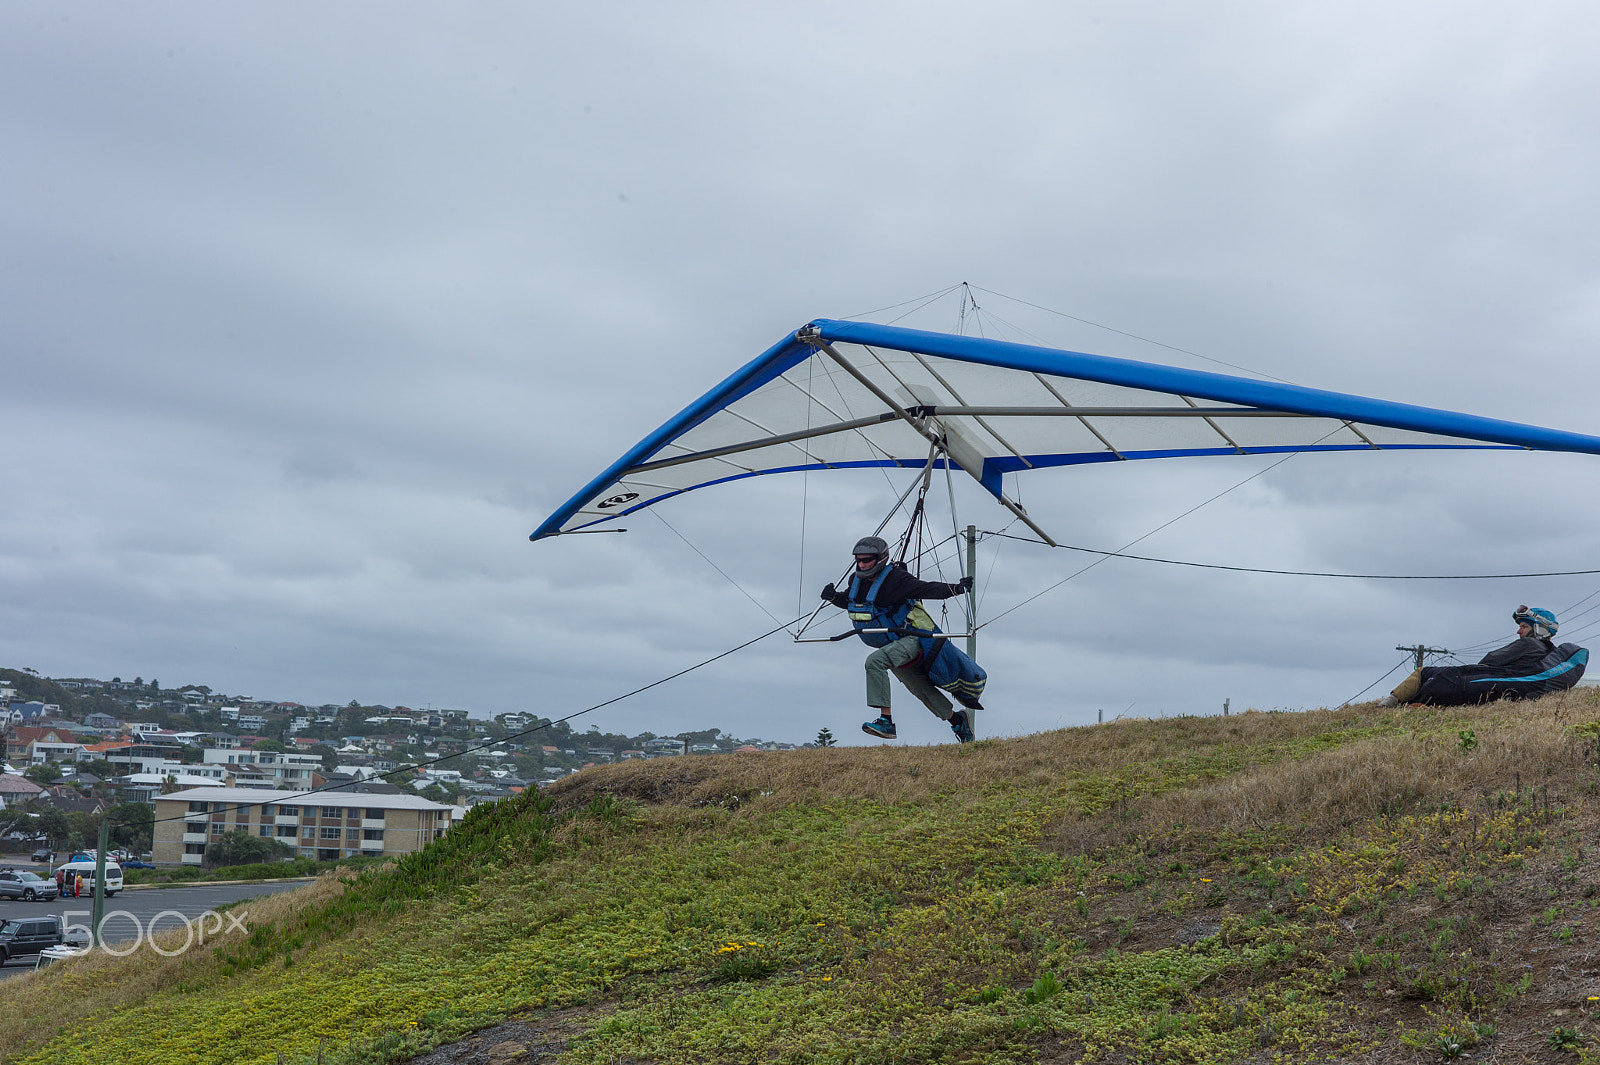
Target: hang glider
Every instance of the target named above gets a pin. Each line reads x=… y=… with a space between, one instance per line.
x=847 y=395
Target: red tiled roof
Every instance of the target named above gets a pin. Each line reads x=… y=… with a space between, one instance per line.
x=23 y=735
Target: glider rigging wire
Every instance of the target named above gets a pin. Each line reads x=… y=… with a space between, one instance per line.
x=1123 y=332
x=1375 y=683
x=1146 y=536
x=716 y=567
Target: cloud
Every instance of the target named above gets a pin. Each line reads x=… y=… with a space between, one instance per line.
x=312 y=316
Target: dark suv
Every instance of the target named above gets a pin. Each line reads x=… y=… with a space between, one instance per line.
x=28 y=936
x=45 y=855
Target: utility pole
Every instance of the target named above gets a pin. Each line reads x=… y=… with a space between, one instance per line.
x=972 y=610
x=1419 y=650
x=98 y=910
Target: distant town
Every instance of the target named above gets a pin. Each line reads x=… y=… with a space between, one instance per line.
x=78 y=746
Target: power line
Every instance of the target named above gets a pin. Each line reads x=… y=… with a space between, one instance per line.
x=295 y=796
x=1303 y=572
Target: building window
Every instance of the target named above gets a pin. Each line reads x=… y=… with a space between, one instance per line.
x=197 y=807
x=218 y=828
x=266 y=830
x=330 y=832
x=288 y=811
x=310 y=832
x=372 y=833
x=291 y=774
x=352 y=834
x=194 y=826
x=374 y=814
x=285 y=830
x=333 y=811
x=194 y=848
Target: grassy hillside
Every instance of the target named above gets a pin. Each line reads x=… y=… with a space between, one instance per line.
x=1361 y=884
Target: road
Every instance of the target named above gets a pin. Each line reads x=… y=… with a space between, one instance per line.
x=131 y=911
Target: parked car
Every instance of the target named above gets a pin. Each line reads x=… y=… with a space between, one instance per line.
x=44 y=855
x=27 y=886
x=28 y=936
x=67 y=876
x=136 y=864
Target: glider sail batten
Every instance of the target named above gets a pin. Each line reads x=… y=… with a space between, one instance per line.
x=838 y=395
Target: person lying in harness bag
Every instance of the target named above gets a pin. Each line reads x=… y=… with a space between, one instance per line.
x=1529 y=666
x=884 y=603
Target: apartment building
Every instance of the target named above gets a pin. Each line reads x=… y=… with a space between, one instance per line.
x=272 y=769
x=325 y=826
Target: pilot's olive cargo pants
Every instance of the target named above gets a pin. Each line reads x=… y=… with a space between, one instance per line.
x=895 y=656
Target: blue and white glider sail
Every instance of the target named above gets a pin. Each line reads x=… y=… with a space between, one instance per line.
x=839 y=395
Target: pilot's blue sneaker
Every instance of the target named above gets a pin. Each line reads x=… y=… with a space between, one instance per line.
x=883 y=728
x=961 y=726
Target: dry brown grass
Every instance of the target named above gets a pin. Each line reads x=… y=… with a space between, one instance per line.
x=35 y=1006
x=883 y=774
x=1518 y=744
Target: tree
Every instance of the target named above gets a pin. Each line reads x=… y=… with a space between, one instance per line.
x=138 y=682
x=53 y=825
x=155 y=685
x=42 y=774
x=15 y=819
x=269 y=745
x=170 y=785
x=239 y=847
x=825 y=738
x=82 y=829
x=131 y=825
x=329 y=756
x=100 y=767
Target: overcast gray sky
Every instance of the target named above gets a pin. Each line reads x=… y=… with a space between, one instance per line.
x=311 y=313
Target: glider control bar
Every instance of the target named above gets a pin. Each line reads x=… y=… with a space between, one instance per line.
x=915 y=414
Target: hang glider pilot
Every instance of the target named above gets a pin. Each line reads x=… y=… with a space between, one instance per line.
x=1529 y=666
x=884 y=595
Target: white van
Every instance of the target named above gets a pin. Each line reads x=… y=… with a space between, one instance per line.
x=67 y=875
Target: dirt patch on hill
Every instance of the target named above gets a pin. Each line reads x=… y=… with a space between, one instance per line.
x=526 y=1041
